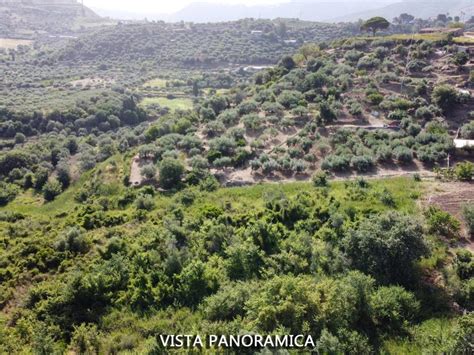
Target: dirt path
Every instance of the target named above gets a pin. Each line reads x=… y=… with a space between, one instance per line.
x=248 y=177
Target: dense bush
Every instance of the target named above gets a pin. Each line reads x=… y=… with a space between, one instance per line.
x=445 y=96
x=51 y=189
x=403 y=154
x=148 y=171
x=320 y=179
x=467 y=131
x=386 y=247
x=468 y=215
x=8 y=193
x=442 y=223
x=72 y=241
x=392 y=308
x=362 y=163
x=336 y=163
x=170 y=173
x=464 y=171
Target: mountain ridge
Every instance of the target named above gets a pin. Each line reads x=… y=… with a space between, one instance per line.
x=311 y=10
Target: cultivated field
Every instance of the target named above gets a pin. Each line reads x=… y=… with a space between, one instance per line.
x=172 y=104
x=12 y=43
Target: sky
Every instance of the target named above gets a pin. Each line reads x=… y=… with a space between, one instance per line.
x=163 y=6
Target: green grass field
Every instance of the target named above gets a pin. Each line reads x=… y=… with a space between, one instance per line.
x=405 y=37
x=419 y=36
x=172 y=104
x=405 y=191
x=208 y=91
x=156 y=83
x=464 y=40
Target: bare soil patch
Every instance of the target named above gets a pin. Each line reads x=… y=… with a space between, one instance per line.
x=91 y=82
x=12 y=43
x=451 y=197
x=136 y=178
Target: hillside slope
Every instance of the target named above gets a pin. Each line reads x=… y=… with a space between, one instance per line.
x=114 y=229
x=26 y=17
x=245 y=41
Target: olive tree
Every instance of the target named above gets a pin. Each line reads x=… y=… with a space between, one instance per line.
x=171 y=171
x=386 y=246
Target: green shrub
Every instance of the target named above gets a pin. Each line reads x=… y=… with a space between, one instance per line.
x=386 y=197
x=463 y=335
x=229 y=302
x=8 y=193
x=403 y=154
x=468 y=215
x=460 y=58
x=19 y=138
x=145 y=202
x=40 y=178
x=85 y=339
x=374 y=98
x=355 y=109
x=386 y=246
x=148 y=171
x=362 y=163
x=320 y=179
x=467 y=131
x=72 y=241
x=393 y=309
x=338 y=163
x=464 y=264
x=368 y=62
x=290 y=98
x=52 y=189
x=416 y=65
x=464 y=171
x=209 y=183
x=326 y=113
x=442 y=223
x=445 y=96
x=171 y=172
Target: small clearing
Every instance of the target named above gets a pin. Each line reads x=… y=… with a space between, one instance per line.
x=451 y=197
x=172 y=104
x=91 y=82
x=156 y=83
x=12 y=43
x=136 y=178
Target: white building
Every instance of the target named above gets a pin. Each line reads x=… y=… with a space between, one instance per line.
x=464 y=143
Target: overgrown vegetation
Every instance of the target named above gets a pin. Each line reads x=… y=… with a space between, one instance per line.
x=115 y=226
x=203 y=260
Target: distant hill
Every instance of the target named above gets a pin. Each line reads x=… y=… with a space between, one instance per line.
x=418 y=8
x=305 y=10
x=309 y=10
x=26 y=17
x=245 y=41
x=202 y=11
